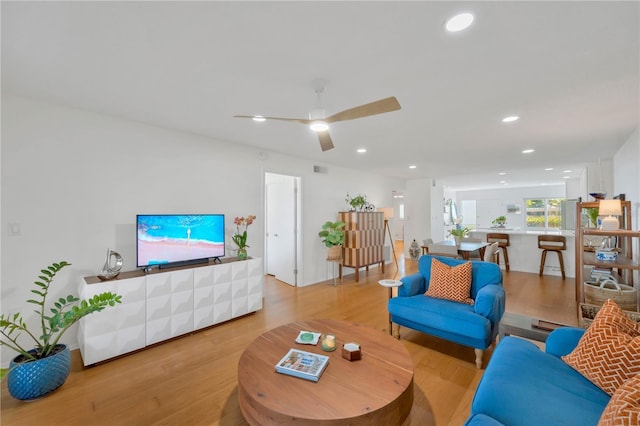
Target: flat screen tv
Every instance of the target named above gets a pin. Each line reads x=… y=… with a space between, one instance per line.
x=168 y=240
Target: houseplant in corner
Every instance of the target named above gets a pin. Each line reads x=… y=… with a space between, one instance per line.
x=38 y=371
x=333 y=238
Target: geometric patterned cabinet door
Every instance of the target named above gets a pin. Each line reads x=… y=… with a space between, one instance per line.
x=222 y=293
x=203 y=297
x=115 y=331
x=166 y=304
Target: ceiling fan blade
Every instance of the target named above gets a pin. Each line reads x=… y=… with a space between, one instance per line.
x=295 y=120
x=325 y=140
x=373 y=108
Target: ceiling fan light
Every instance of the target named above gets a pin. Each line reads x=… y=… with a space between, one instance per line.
x=319 y=126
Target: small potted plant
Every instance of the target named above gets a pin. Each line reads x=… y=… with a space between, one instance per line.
x=357 y=203
x=499 y=221
x=38 y=371
x=332 y=236
x=459 y=232
x=240 y=237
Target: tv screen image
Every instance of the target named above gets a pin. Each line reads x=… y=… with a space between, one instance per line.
x=173 y=239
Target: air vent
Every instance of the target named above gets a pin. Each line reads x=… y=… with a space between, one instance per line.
x=320 y=169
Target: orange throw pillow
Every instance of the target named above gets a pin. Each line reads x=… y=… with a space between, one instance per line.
x=624 y=407
x=450 y=282
x=608 y=353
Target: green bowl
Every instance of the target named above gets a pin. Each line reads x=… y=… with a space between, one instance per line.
x=306 y=337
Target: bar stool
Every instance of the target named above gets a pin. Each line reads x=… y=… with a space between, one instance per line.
x=503 y=243
x=556 y=243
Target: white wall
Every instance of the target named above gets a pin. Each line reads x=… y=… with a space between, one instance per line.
x=626 y=178
x=419 y=208
x=492 y=203
x=74 y=180
x=626 y=175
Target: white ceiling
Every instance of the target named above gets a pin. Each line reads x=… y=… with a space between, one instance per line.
x=570 y=70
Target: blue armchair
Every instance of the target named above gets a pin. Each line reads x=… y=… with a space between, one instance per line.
x=474 y=325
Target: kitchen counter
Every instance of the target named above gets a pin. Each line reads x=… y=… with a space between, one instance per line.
x=524 y=254
x=514 y=231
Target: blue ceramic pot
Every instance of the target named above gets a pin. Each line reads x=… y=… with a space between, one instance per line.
x=31 y=380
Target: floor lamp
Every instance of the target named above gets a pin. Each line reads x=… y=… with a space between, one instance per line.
x=388 y=214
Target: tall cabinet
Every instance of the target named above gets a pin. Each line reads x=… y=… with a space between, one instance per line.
x=363 y=240
x=625 y=268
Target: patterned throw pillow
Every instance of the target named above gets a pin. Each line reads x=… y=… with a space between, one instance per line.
x=608 y=353
x=450 y=282
x=624 y=407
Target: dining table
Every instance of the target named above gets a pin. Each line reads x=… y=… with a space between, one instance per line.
x=466 y=248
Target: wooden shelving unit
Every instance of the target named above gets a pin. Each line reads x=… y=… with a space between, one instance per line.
x=624 y=266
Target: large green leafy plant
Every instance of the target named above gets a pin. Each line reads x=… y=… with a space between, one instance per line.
x=332 y=233
x=64 y=313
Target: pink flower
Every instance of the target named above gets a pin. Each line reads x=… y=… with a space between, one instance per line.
x=240 y=237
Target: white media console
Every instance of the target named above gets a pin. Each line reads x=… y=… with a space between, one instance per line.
x=163 y=304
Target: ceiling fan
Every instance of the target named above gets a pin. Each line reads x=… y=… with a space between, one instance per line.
x=319 y=122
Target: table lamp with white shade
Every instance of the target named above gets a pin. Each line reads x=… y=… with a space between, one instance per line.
x=609 y=209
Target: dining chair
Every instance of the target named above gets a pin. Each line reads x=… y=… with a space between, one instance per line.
x=491 y=252
x=425 y=245
x=443 y=250
x=503 y=242
x=554 y=243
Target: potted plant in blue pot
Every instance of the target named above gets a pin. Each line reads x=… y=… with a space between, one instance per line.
x=39 y=371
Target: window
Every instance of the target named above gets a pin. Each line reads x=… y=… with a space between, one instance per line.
x=544 y=213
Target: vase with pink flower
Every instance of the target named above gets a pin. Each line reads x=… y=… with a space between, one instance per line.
x=240 y=237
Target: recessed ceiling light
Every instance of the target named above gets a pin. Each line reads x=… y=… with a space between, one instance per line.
x=566 y=177
x=567 y=171
x=503 y=181
x=528 y=151
x=510 y=119
x=362 y=150
x=412 y=167
x=258 y=118
x=548 y=169
x=502 y=173
x=458 y=22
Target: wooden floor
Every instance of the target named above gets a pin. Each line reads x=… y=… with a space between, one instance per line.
x=192 y=380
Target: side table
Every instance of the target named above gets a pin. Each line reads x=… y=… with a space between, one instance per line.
x=390 y=284
x=524 y=326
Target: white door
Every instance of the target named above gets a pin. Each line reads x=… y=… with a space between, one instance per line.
x=282 y=215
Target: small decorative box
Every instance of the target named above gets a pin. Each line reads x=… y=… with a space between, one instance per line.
x=351 y=351
x=606 y=255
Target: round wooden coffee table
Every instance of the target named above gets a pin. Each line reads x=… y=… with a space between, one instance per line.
x=378 y=389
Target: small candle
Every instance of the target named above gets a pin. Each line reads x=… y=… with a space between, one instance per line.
x=331 y=341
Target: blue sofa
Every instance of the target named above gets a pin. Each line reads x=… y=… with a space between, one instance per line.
x=523 y=385
x=469 y=325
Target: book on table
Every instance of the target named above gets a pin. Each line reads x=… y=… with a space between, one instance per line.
x=305 y=365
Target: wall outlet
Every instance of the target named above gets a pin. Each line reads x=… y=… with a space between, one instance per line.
x=14 y=229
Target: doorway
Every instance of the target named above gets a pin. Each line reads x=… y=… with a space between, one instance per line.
x=282 y=218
